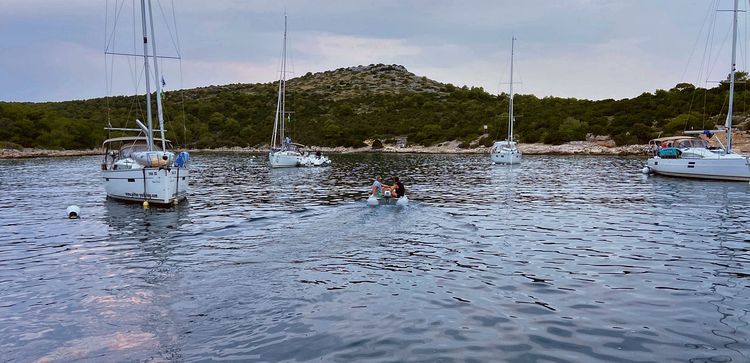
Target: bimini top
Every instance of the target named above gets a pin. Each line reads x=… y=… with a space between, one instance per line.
x=131 y=138
x=673 y=138
x=682 y=142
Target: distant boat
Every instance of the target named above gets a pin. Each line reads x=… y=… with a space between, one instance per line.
x=142 y=168
x=284 y=153
x=506 y=151
x=691 y=157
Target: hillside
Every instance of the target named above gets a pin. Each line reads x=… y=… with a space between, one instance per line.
x=346 y=106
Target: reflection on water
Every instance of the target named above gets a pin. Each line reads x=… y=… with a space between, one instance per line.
x=560 y=259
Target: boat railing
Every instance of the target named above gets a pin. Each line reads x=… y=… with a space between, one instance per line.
x=129 y=129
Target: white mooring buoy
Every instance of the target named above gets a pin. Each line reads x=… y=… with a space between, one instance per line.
x=646 y=170
x=74 y=212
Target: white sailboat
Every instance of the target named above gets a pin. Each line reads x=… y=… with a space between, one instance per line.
x=506 y=151
x=691 y=157
x=142 y=168
x=284 y=153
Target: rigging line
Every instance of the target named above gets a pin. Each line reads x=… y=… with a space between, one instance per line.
x=116 y=17
x=288 y=116
x=135 y=100
x=706 y=55
x=695 y=45
x=290 y=55
x=106 y=22
x=741 y=51
x=743 y=55
x=714 y=62
x=500 y=122
x=516 y=67
x=709 y=62
x=166 y=23
x=182 y=86
x=184 y=118
x=109 y=77
x=132 y=64
x=709 y=45
x=505 y=106
x=133 y=69
x=176 y=32
x=709 y=33
x=106 y=78
x=710 y=20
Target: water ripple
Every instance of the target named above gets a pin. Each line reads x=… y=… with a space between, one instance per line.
x=560 y=259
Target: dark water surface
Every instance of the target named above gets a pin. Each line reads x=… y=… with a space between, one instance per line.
x=563 y=259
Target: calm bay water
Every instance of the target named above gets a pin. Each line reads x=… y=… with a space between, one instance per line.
x=561 y=259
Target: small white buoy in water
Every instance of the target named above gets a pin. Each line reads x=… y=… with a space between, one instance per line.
x=493 y=163
x=145 y=204
x=646 y=170
x=403 y=201
x=74 y=212
x=372 y=201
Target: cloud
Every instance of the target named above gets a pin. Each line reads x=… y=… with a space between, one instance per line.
x=567 y=48
x=309 y=52
x=614 y=69
x=338 y=50
x=197 y=73
x=59 y=71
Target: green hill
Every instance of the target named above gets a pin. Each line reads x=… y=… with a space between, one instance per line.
x=346 y=106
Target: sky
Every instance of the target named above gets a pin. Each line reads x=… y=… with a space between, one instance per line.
x=53 y=50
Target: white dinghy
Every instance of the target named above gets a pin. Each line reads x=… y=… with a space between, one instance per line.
x=386 y=199
x=385 y=195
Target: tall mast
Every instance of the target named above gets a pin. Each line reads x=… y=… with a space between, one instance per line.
x=731 y=78
x=150 y=134
x=283 y=83
x=159 y=110
x=278 y=123
x=510 y=97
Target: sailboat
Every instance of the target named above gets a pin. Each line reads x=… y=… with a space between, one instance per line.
x=506 y=151
x=142 y=168
x=284 y=153
x=692 y=157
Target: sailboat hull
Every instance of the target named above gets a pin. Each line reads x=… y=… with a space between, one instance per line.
x=725 y=167
x=505 y=152
x=506 y=156
x=284 y=159
x=155 y=185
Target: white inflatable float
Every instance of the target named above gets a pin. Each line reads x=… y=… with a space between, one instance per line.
x=73 y=212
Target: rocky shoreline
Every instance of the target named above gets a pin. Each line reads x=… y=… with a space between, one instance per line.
x=43 y=153
x=571 y=148
x=596 y=145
